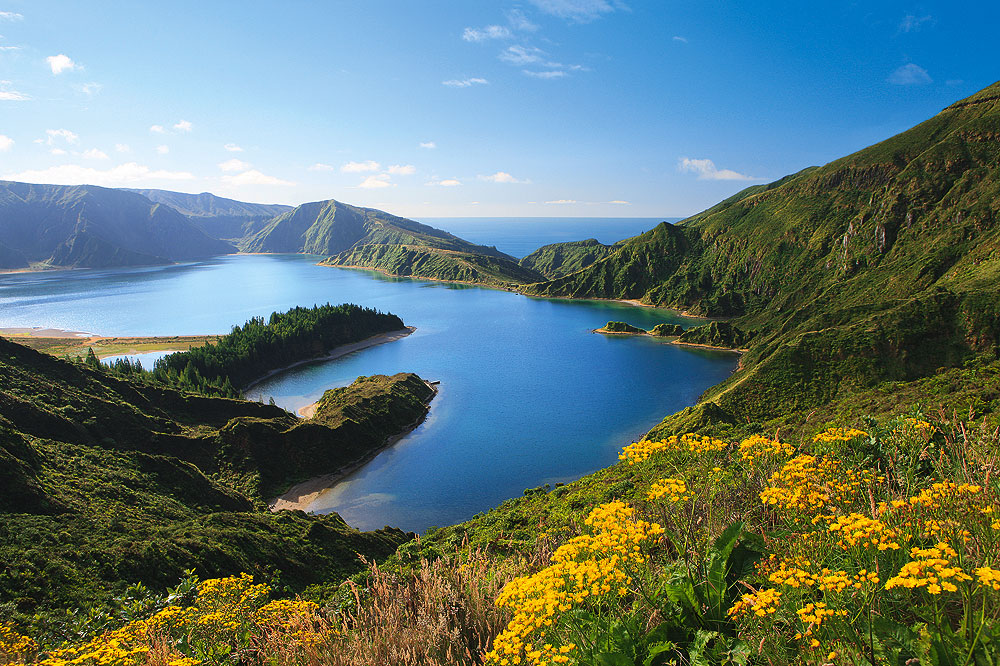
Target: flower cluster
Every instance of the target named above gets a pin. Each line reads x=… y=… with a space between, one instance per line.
x=589 y=566
x=14 y=646
x=855 y=529
x=675 y=490
x=689 y=443
x=932 y=569
x=810 y=484
x=758 y=447
x=761 y=603
x=839 y=435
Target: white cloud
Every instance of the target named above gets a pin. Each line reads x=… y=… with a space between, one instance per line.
x=489 y=32
x=502 y=177
x=551 y=74
x=183 y=126
x=319 y=166
x=375 y=182
x=619 y=202
x=11 y=95
x=163 y=150
x=94 y=154
x=360 y=167
x=448 y=182
x=89 y=89
x=61 y=63
x=58 y=151
x=580 y=11
x=911 y=23
x=465 y=83
x=11 y=16
x=157 y=129
x=234 y=165
x=910 y=75
x=233 y=148
x=6 y=143
x=74 y=174
x=402 y=169
x=123 y=148
x=678 y=38
x=519 y=21
x=430 y=145
x=523 y=55
x=706 y=170
x=254 y=177
x=9 y=48
x=56 y=134
x=562 y=201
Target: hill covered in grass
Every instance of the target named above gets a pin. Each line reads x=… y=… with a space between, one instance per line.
x=84 y=226
x=217 y=216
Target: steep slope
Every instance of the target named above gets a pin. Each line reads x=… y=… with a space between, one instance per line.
x=881 y=265
x=559 y=259
x=105 y=482
x=368 y=238
x=217 y=216
x=56 y=226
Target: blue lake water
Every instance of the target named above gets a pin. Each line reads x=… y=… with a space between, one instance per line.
x=528 y=394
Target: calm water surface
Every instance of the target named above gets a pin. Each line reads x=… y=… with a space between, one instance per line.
x=528 y=394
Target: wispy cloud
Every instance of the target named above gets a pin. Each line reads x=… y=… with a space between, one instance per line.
x=706 y=170
x=502 y=177
x=319 y=166
x=465 y=83
x=10 y=16
x=447 y=182
x=911 y=23
x=233 y=148
x=402 y=169
x=183 y=126
x=360 y=167
x=123 y=148
x=525 y=55
x=619 y=202
x=429 y=145
x=75 y=174
x=550 y=74
x=61 y=63
x=54 y=135
x=678 y=38
x=9 y=48
x=254 y=177
x=910 y=75
x=157 y=129
x=8 y=95
x=375 y=182
x=163 y=149
x=6 y=143
x=578 y=11
x=560 y=202
x=89 y=89
x=234 y=165
x=487 y=33
x=94 y=154
x=518 y=21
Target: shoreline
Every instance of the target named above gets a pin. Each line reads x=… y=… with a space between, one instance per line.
x=674 y=341
x=337 y=352
x=301 y=495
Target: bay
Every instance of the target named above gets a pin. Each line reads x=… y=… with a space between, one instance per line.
x=528 y=394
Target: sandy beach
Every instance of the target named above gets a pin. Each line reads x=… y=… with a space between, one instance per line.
x=38 y=332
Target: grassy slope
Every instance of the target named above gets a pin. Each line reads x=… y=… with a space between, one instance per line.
x=559 y=259
x=105 y=483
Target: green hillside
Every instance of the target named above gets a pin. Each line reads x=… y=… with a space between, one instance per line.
x=106 y=483
x=882 y=265
x=559 y=259
x=55 y=226
x=217 y=216
x=369 y=238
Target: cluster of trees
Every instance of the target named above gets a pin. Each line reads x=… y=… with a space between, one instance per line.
x=259 y=346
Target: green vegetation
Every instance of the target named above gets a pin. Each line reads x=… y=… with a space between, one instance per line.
x=621 y=327
x=250 y=351
x=54 y=226
x=666 y=330
x=436 y=263
x=217 y=216
x=716 y=334
x=106 y=483
x=660 y=330
x=559 y=259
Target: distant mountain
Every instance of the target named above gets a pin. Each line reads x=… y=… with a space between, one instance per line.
x=369 y=238
x=217 y=216
x=882 y=265
x=88 y=226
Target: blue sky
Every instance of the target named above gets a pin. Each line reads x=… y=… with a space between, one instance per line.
x=431 y=109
